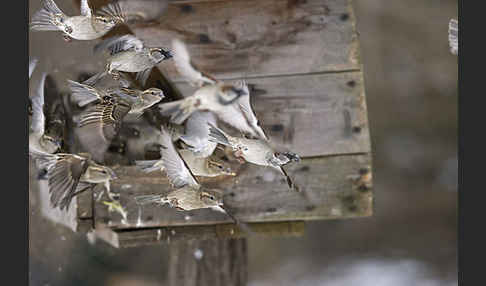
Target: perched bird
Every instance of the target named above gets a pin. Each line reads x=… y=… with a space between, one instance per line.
x=212 y=95
x=188 y=193
x=139 y=100
x=69 y=174
x=39 y=141
x=453 y=36
x=32 y=65
x=256 y=151
x=129 y=54
x=204 y=167
x=87 y=26
x=196 y=134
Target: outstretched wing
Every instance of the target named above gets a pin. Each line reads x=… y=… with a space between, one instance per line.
x=32 y=64
x=113 y=10
x=182 y=61
x=109 y=112
x=245 y=107
x=85 y=10
x=177 y=171
x=38 y=117
x=63 y=171
x=83 y=94
x=118 y=44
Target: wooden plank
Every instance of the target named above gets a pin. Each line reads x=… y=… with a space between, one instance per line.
x=244 y=38
x=162 y=235
x=217 y=262
x=332 y=187
x=312 y=115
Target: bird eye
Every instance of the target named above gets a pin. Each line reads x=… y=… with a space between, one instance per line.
x=212 y=198
x=220 y=167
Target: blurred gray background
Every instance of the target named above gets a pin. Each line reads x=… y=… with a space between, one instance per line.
x=411 y=87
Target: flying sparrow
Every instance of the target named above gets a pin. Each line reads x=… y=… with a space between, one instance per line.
x=256 y=151
x=212 y=95
x=87 y=26
x=188 y=193
x=203 y=167
x=69 y=174
x=139 y=100
x=39 y=141
x=129 y=54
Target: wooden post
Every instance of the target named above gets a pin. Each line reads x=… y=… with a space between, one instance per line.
x=214 y=262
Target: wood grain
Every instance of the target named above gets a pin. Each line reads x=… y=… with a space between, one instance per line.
x=312 y=115
x=332 y=187
x=168 y=235
x=216 y=262
x=244 y=38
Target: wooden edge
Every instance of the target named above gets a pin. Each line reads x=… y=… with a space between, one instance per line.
x=151 y=236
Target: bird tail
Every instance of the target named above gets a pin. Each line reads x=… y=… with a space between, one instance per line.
x=217 y=135
x=148 y=166
x=148 y=199
x=48 y=17
x=178 y=110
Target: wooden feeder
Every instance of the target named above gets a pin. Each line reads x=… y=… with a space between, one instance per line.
x=301 y=60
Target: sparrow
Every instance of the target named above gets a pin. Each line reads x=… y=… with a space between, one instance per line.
x=211 y=95
x=256 y=151
x=139 y=100
x=203 y=167
x=101 y=122
x=87 y=26
x=39 y=141
x=196 y=134
x=188 y=193
x=453 y=35
x=70 y=174
x=129 y=54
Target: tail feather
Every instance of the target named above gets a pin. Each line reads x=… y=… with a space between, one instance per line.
x=47 y=18
x=148 y=199
x=178 y=110
x=217 y=135
x=148 y=166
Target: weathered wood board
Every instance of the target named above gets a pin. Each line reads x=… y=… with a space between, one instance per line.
x=248 y=38
x=301 y=61
x=313 y=115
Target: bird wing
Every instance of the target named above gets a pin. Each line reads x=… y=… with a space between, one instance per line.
x=177 y=171
x=32 y=64
x=118 y=44
x=85 y=10
x=113 y=10
x=38 y=117
x=106 y=117
x=83 y=94
x=184 y=66
x=64 y=172
x=196 y=126
x=247 y=111
x=453 y=36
